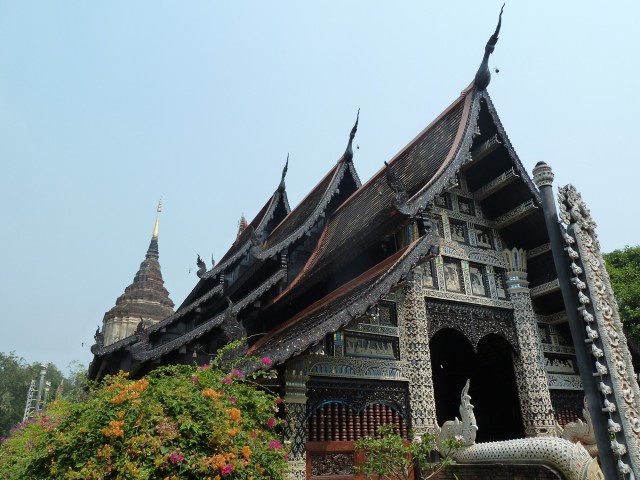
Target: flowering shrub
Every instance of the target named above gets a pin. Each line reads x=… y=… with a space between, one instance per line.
x=392 y=457
x=178 y=422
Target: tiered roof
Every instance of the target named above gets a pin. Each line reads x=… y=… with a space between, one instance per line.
x=336 y=223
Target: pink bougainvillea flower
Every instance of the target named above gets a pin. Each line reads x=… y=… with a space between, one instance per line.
x=266 y=361
x=275 y=445
x=233 y=400
x=176 y=457
x=195 y=379
x=226 y=470
x=271 y=422
x=226 y=381
x=204 y=366
x=279 y=401
x=237 y=374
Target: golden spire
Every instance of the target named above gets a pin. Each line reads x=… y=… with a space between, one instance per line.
x=157 y=225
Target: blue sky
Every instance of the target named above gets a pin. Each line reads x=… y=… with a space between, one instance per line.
x=107 y=106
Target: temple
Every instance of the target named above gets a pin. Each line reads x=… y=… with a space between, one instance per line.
x=381 y=302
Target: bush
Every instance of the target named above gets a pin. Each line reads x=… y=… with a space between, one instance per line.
x=177 y=422
x=391 y=457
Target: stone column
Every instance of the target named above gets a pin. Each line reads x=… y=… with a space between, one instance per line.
x=295 y=399
x=416 y=356
x=533 y=384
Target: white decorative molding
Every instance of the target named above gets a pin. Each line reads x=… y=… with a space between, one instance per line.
x=537 y=251
x=564 y=349
x=554 y=318
x=521 y=211
x=461 y=297
x=558 y=381
x=496 y=184
x=545 y=288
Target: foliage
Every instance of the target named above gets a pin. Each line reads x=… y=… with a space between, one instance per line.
x=389 y=456
x=623 y=267
x=180 y=422
x=16 y=375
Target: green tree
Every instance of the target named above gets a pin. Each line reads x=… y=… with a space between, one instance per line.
x=178 y=422
x=623 y=267
x=16 y=375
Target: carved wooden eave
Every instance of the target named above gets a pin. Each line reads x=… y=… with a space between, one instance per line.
x=143 y=336
x=536 y=252
x=516 y=214
x=350 y=301
x=182 y=311
x=99 y=351
x=496 y=184
x=144 y=351
x=545 y=289
x=309 y=211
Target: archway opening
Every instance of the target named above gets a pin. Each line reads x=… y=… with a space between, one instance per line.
x=497 y=404
x=493 y=387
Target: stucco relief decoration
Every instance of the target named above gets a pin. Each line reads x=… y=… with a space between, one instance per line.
x=603 y=328
x=582 y=431
x=473 y=321
x=465 y=427
x=416 y=356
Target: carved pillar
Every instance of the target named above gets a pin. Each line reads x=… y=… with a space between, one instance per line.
x=416 y=356
x=533 y=384
x=295 y=399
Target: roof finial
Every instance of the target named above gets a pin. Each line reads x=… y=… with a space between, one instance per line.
x=242 y=224
x=157 y=225
x=348 y=153
x=284 y=174
x=483 y=76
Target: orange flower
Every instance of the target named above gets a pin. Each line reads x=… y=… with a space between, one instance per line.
x=246 y=451
x=218 y=461
x=232 y=432
x=234 y=414
x=211 y=393
x=114 y=429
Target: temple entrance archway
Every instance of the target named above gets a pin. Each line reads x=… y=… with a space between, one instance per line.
x=493 y=387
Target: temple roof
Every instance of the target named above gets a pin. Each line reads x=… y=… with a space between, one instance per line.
x=309 y=210
x=371 y=208
x=143 y=351
x=350 y=301
x=273 y=211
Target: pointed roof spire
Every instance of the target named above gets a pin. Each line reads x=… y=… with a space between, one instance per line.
x=483 y=76
x=348 y=153
x=242 y=224
x=146 y=298
x=284 y=174
x=156 y=227
x=153 y=252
